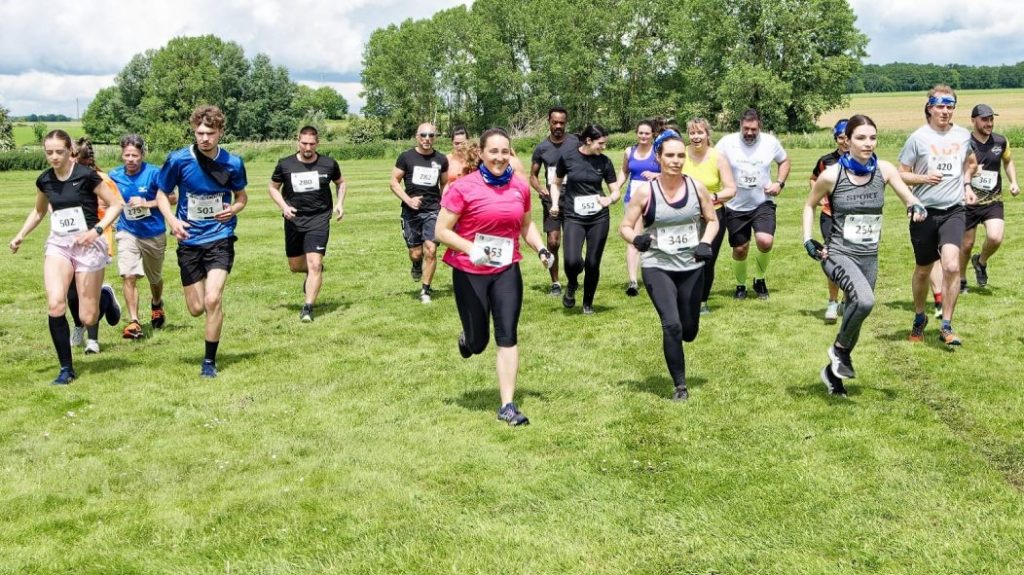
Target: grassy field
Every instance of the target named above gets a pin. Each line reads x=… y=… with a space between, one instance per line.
x=25 y=136
x=905 y=110
x=363 y=443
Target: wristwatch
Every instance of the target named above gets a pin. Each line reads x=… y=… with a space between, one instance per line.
x=782 y=184
x=98 y=229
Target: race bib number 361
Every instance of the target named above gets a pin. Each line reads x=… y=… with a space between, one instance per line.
x=204 y=207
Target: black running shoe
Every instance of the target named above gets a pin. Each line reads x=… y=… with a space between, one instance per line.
x=681 y=393
x=510 y=414
x=832 y=382
x=306 y=315
x=761 y=288
x=841 y=365
x=569 y=297
x=113 y=306
x=963 y=286
x=416 y=271
x=980 y=271
x=556 y=290
x=464 y=350
x=741 y=292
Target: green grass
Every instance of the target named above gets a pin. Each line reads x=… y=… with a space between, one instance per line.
x=25 y=136
x=362 y=443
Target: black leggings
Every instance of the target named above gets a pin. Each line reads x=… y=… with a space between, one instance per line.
x=596 y=236
x=716 y=246
x=479 y=297
x=676 y=297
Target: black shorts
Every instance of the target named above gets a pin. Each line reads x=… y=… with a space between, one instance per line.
x=742 y=225
x=551 y=223
x=196 y=261
x=941 y=227
x=298 y=243
x=976 y=215
x=825 y=223
x=418 y=227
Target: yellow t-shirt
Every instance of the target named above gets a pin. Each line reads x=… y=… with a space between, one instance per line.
x=705 y=172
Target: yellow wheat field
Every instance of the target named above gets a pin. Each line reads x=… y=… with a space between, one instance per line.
x=905 y=110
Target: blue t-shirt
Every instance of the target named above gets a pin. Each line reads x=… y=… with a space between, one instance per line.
x=200 y=196
x=141 y=185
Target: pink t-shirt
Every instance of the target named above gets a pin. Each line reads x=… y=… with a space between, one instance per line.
x=495 y=211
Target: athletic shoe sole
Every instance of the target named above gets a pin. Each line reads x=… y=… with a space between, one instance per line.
x=834 y=385
x=837 y=364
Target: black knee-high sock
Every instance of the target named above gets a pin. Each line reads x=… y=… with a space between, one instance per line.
x=60 y=333
x=93 y=331
x=211 y=351
x=73 y=303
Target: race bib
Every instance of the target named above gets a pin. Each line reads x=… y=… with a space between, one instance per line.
x=203 y=207
x=862 y=229
x=586 y=205
x=674 y=239
x=136 y=213
x=498 y=248
x=749 y=178
x=422 y=176
x=67 y=221
x=945 y=164
x=305 y=182
x=985 y=180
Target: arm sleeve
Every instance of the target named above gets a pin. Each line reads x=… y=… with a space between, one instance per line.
x=167 y=179
x=561 y=169
x=239 y=180
x=278 y=175
x=609 y=171
x=335 y=174
x=909 y=153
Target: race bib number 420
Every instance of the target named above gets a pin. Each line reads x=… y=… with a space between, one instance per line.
x=862 y=229
x=498 y=248
x=68 y=221
x=946 y=164
x=674 y=239
x=204 y=207
x=305 y=182
x=586 y=205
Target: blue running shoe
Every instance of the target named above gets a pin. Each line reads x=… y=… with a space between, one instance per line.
x=209 y=369
x=66 y=376
x=510 y=414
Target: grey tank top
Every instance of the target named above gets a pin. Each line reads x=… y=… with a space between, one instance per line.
x=856 y=214
x=675 y=228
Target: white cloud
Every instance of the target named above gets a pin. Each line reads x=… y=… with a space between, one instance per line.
x=350 y=90
x=46 y=93
x=979 y=32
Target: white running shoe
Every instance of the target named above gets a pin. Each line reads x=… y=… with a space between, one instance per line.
x=92 y=346
x=77 y=336
x=425 y=296
x=832 y=312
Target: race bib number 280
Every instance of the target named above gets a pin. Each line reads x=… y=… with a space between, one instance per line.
x=305 y=182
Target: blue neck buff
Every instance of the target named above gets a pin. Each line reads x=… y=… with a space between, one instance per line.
x=847 y=161
x=670 y=133
x=493 y=180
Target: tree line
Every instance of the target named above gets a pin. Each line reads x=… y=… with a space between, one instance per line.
x=614 y=62
x=155 y=93
x=901 y=77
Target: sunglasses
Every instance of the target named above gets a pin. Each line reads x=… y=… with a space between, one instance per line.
x=427 y=134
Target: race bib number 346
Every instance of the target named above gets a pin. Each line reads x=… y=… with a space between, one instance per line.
x=674 y=239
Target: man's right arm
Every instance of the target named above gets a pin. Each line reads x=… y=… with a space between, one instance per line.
x=535 y=179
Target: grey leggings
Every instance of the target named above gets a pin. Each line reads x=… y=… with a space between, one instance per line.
x=855 y=275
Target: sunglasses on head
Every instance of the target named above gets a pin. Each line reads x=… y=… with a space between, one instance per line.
x=427 y=134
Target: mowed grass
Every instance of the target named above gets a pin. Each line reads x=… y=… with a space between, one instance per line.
x=24 y=135
x=363 y=443
x=905 y=110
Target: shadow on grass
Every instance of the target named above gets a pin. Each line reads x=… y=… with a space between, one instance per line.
x=660 y=385
x=320 y=308
x=486 y=399
x=817 y=389
x=931 y=338
x=908 y=306
x=578 y=308
x=224 y=359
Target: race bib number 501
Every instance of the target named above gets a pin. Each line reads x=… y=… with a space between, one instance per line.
x=204 y=207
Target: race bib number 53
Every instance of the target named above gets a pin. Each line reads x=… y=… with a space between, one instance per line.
x=498 y=248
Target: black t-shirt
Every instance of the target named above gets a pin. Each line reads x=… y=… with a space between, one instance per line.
x=585 y=174
x=423 y=178
x=307 y=188
x=547 y=154
x=990 y=159
x=79 y=190
x=824 y=162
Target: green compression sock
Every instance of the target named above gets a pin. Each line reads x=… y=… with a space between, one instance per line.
x=761 y=262
x=740 y=269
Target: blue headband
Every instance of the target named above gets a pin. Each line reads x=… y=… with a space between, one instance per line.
x=669 y=133
x=839 y=129
x=946 y=100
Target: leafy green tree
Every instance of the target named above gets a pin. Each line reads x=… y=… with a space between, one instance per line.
x=105 y=120
x=39 y=131
x=265 y=110
x=325 y=100
x=6 y=130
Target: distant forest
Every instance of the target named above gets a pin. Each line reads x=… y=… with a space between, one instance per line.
x=43 y=118
x=899 y=77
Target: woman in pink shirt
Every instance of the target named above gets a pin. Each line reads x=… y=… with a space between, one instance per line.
x=482 y=217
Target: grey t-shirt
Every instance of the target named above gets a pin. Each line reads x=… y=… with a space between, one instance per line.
x=927 y=149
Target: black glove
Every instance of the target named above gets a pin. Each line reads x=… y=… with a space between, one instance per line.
x=642 y=242
x=814 y=249
x=913 y=209
x=703 y=252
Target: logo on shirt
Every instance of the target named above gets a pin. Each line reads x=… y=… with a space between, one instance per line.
x=997 y=150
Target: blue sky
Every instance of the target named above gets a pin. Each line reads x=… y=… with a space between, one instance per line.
x=54 y=61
